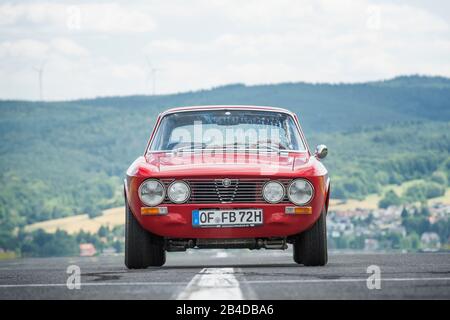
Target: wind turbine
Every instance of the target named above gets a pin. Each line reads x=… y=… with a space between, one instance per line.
x=40 y=71
x=152 y=73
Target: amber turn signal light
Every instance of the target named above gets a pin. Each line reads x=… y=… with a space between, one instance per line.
x=298 y=210
x=151 y=211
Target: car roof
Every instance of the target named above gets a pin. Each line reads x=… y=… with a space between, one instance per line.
x=225 y=107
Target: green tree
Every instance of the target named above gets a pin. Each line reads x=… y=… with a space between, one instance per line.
x=119 y=246
x=415 y=241
x=42 y=244
x=423 y=190
x=103 y=231
x=389 y=199
x=440 y=178
x=424 y=210
x=404 y=213
x=417 y=224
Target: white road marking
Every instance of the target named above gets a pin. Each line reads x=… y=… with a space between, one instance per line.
x=94 y=284
x=345 y=280
x=231 y=283
x=250 y=293
x=213 y=284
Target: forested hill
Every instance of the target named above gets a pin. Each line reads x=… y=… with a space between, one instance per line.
x=322 y=107
x=64 y=158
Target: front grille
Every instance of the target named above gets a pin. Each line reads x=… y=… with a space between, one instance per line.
x=230 y=190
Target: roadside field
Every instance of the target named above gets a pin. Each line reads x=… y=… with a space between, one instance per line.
x=110 y=217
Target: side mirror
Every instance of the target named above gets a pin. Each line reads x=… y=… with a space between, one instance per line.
x=321 y=151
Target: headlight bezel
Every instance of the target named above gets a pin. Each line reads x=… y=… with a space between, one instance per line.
x=188 y=189
x=308 y=183
x=264 y=188
x=156 y=203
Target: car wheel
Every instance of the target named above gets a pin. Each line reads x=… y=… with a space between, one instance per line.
x=142 y=248
x=310 y=247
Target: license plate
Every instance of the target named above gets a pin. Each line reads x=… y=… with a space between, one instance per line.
x=227 y=218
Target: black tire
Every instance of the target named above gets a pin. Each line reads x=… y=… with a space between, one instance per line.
x=310 y=247
x=142 y=248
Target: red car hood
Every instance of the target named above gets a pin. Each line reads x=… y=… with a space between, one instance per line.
x=223 y=163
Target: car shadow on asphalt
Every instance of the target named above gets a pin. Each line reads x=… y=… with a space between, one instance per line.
x=225 y=265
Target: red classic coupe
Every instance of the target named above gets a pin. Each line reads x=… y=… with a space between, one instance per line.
x=226 y=177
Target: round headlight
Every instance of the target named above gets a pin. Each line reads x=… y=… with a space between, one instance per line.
x=152 y=192
x=273 y=192
x=179 y=192
x=300 y=191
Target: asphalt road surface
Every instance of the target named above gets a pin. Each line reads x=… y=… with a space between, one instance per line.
x=235 y=274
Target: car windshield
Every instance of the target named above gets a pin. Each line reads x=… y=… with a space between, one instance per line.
x=227 y=129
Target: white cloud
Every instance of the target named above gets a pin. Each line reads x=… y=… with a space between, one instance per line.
x=128 y=71
x=35 y=49
x=115 y=18
x=406 y=19
x=257 y=12
x=69 y=47
x=25 y=48
x=92 y=17
x=171 y=46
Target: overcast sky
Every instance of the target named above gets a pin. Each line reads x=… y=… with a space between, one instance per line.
x=104 y=48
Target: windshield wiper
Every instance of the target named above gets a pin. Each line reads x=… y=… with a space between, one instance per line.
x=190 y=147
x=272 y=148
x=229 y=147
